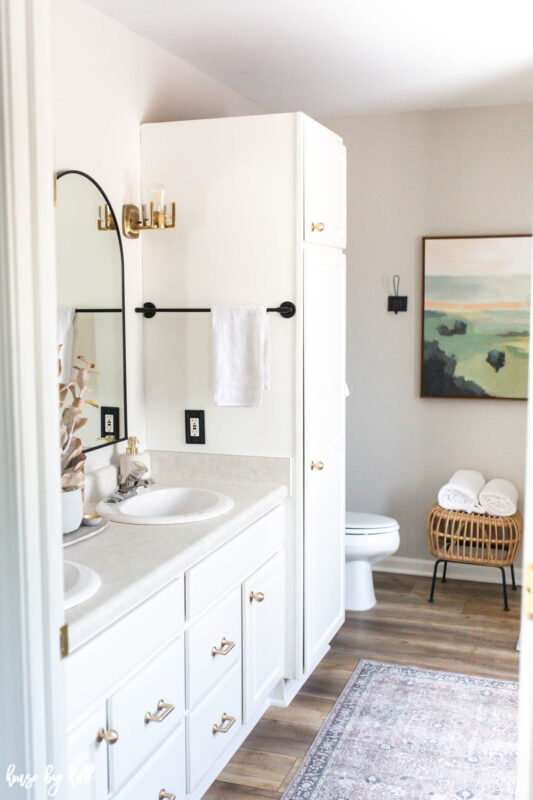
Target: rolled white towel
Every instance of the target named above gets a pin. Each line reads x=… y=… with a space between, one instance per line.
x=462 y=491
x=499 y=498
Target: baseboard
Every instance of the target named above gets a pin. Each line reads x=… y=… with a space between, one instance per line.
x=459 y=572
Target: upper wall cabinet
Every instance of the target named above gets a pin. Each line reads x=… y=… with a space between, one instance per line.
x=324 y=187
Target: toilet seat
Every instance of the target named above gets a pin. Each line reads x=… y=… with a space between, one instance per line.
x=359 y=523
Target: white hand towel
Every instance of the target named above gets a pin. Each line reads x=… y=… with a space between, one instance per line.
x=240 y=355
x=462 y=491
x=499 y=498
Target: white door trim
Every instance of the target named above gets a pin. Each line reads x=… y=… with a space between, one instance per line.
x=33 y=731
x=524 y=786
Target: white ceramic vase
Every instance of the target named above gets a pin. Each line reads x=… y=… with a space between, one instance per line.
x=72 y=510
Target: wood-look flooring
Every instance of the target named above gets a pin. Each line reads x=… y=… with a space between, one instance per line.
x=465 y=630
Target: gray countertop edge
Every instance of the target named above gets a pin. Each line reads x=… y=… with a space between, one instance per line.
x=119 y=595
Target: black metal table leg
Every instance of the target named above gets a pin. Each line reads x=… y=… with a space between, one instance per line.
x=437 y=562
x=444 y=572
x=513 y=577
x=504 y=583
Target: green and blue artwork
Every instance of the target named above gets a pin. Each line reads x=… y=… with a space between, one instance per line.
x=476 y=317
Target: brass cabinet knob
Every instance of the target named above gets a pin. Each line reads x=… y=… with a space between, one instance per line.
x=226 y=721
x=166 y=708
x=319 y=226
x=164 y=795
x=317 y=465
x=224 y=649
x=109 y=736
x=257 y=596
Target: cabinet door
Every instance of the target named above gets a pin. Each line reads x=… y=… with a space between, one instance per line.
x=87 y=759
x=324 y=186
x=324 y=446
x=264 y=633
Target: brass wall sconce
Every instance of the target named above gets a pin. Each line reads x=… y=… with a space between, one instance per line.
x=105 y=220
x=135 y=221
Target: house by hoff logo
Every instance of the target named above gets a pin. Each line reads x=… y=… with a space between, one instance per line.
x=78 y=775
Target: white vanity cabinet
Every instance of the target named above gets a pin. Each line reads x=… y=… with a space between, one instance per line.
x=156 y=700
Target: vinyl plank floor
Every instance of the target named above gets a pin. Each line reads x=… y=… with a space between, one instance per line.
x=464 y=630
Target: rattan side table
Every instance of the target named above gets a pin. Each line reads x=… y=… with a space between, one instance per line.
x=478 y=539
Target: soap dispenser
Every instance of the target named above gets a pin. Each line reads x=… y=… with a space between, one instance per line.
x=132 y=454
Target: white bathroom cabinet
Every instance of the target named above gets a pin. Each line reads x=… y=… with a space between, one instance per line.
x=260 y=218
x=324 y=400
x=263 y=600
x=155 y=702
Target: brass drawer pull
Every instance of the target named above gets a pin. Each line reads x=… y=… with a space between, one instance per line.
x=224 y=728
x=318 y=227
x=109 y=736
x=257 y=596
x=163 y=795
x=225 y=647
x=317 y=465
x=167 y=708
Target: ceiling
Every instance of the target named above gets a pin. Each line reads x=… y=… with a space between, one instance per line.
x=339 y=57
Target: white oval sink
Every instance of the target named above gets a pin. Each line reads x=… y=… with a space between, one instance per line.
x=80 y=583
x=168 y=506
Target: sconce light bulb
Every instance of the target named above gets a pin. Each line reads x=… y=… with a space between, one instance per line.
x=158 y=197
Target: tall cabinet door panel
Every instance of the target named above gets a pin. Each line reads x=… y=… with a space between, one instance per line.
x=324 y=445
x=324 y=187
x=264 y=632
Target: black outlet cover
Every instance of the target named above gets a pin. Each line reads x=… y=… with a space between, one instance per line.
x=194 y=427
x=109 y=421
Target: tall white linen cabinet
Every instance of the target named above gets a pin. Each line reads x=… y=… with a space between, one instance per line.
x=261 y=219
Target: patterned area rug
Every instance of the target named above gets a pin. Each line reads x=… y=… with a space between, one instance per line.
x=417 y=734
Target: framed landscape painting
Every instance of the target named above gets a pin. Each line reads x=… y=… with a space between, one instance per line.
x=476 y=309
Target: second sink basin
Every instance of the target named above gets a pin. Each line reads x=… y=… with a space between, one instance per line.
x=80 y=583
x=168 y=506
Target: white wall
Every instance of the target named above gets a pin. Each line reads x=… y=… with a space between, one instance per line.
x=235 y=186
x=106 y=82
x=409 y=175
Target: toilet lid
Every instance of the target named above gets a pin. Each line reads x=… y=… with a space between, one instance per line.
x=361 y=521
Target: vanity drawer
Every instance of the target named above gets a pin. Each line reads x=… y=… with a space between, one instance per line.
x=164 y=773
x=234 y=561
x=213 y=647
x=219 y=708
x=161 y=680
x=98 y=665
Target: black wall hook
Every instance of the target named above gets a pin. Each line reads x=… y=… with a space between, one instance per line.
x=397 y=302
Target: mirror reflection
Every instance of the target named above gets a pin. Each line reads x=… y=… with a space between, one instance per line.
x=91 y=302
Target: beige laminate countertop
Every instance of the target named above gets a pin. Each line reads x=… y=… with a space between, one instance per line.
x=135 y=561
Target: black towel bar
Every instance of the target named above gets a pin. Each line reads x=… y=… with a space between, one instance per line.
x=149 y=310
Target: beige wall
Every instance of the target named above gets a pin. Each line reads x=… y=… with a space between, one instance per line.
x=106 y=82
x=409 y=175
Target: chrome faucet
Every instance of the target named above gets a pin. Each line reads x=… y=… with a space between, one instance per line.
x=129 y=485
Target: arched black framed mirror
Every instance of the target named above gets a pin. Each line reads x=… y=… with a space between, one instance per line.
x=90 y=292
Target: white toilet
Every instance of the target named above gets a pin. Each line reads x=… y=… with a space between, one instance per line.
x=368 y=538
